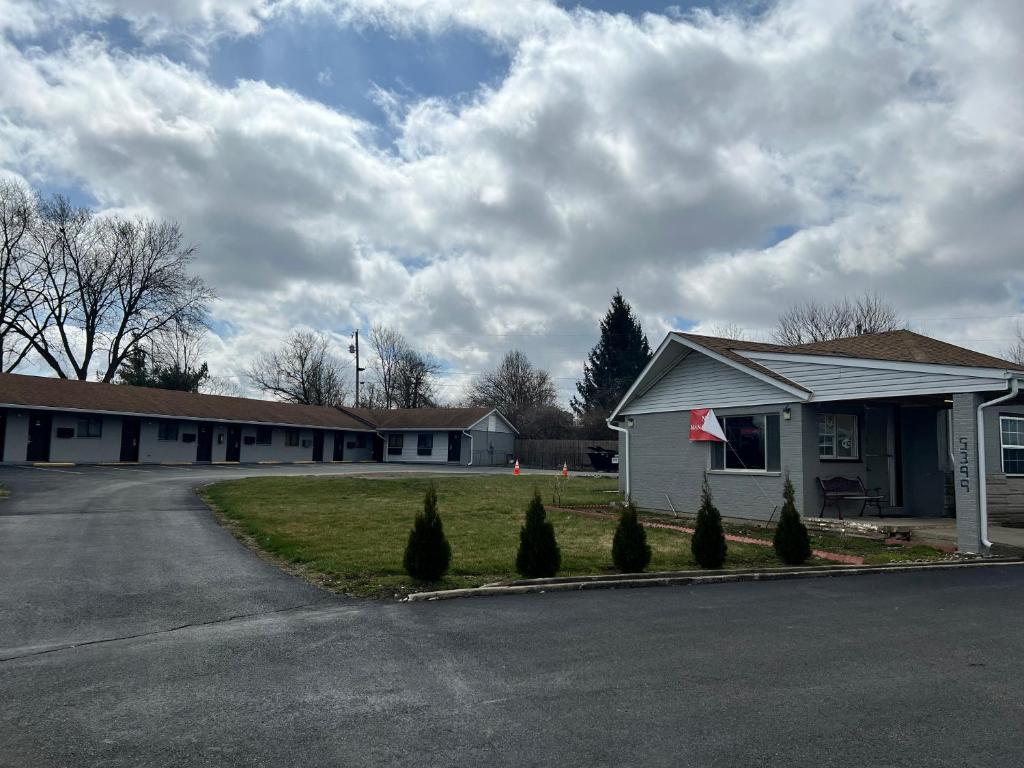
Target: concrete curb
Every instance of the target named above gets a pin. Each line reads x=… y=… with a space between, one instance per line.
x=677 y=578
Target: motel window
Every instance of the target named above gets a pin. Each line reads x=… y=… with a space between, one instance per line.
x=395 y=444
x=1011 y=433
x=167 y=430
x=90 y=426
x=425 y=444
x=291 y=438
x=752 y=444
x=837 y=436
x=263 y=435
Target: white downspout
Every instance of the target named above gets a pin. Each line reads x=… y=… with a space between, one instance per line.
x=624 y=431
x=983 y=480
x=470 y=436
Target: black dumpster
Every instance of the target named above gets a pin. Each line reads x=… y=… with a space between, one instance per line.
x=603 y=459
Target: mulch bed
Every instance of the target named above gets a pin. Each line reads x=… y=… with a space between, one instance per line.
x=834 y=557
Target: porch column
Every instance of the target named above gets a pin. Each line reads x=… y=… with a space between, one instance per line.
x=965 y=472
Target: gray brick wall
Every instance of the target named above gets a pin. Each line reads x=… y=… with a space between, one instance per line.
x=663 y=462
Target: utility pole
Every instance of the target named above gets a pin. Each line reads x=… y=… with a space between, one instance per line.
x=354 y=350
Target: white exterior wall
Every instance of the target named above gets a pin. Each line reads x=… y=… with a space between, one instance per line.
x=277 y=450
x=16 y=436
x=152 y=450
x=353 y=453
x=439 y=454
x=107 y=447
x=697 y=381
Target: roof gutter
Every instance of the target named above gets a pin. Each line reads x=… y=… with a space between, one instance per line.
x=470 y=436
x=983 y=481
x=624 y=431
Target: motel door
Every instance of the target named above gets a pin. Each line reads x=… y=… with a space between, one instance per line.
x=318 y=446
x=339 y=446
x=39 y=427
x=234 y=446
x=454 y=446
x=204 y=446
x=130 y=439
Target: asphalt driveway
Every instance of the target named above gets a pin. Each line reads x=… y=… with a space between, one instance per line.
x=134 y=631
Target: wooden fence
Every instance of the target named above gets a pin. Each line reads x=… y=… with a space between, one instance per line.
x=552 y=454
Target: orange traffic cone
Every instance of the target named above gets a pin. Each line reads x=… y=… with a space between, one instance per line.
x=516 y=470
x=565 y=469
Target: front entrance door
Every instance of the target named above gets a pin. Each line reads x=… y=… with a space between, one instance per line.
x=339 y=446
x=318 y=446
x=880 y=451
x=130 y=439
x=204 y=443
x=454 y=446
x=234 y=447
x=39 y=427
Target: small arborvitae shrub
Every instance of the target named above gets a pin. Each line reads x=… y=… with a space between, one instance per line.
x=708 y=542
x=630 y=550
x=792 y=544
x=428 y=553
x=538 y=555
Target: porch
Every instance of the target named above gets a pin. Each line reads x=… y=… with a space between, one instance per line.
x=899 y=450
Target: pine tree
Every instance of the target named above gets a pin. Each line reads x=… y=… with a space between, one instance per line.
x=428 y=554
x=791 y=542
x=613 y=364
x=630 y=550
x=708 y=542
x=538 y=555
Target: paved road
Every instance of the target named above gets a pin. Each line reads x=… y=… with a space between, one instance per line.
x=188 y=650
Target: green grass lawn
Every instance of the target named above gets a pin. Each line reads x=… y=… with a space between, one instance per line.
x=349 y=533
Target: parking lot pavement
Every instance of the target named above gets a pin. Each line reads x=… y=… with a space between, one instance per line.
x=135 y=631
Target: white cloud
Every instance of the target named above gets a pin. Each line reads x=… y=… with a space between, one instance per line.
x=325 y=77
x=657 y=155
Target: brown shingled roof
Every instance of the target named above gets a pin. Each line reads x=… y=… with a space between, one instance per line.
x=46 y=392
x=898 y=346
x=421 y=418
x=906 y=347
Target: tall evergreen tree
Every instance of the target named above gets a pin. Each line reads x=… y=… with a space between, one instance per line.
x=708 y=541
x=613 y=364
x=427 y=553
x=792 y=544
x=538 y=554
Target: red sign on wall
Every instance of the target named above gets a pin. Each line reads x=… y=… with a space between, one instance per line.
x=704 y=426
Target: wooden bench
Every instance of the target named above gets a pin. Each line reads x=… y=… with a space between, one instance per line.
x=835 y=490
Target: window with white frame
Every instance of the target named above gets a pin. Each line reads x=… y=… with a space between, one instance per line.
x=396 y=442
x=752 y=444
x=1011 y=437
x=425 y=444
x=837 y=436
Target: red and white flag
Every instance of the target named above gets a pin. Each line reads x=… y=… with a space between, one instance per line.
x=704 y=426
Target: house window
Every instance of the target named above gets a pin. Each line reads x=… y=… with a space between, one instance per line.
x=753 y=444
x=90 y=426
x=263 y=435
x=395 y=444
x=425 y=444
x=1011 y=433
x=837 y=436
x=360 y=441
x=167 y=430
x=291 y=438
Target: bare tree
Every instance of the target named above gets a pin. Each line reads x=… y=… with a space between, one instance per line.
x=303 y=370
x=728 y=331
x=106 y=287
x=1016 y=351
x=811 y=321
x=516 y=388
x=415 y=381
x=403 y=377
x=18 y=271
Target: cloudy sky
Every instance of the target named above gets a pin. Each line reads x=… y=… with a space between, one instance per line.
x=483 y=174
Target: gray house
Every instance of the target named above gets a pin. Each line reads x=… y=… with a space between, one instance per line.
x=901 y=412
x=468 y=436
x=48 y=420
